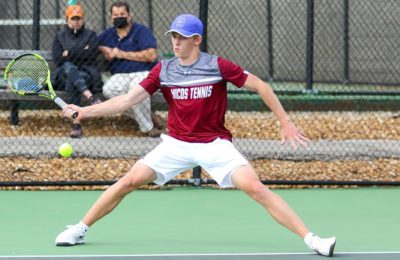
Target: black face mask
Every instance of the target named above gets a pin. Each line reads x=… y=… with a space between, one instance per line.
x=120 y=22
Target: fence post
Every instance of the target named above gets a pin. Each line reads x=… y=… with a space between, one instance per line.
x=59 y=14
x=104 y=14
x=36 y=25
x=196 y=176
x=346 y=41
x=17 y=15
x=270 y=47
x=310 y=46
x=203 y=15
x=204 y=18
x=150 y=13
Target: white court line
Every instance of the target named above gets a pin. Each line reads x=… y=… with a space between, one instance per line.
x=227 y=254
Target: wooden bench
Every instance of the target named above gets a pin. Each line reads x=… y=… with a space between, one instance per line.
x=6 y=55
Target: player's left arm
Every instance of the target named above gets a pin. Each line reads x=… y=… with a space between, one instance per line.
x=289 y=130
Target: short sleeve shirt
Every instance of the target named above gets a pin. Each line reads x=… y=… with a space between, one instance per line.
x=139 y=38
x=196 y=95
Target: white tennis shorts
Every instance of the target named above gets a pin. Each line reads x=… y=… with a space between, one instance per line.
x=171 y=157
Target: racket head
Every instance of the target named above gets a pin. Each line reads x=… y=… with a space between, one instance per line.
x=28 y=74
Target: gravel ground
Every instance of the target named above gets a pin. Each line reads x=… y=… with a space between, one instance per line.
x=327 y=125
x=82 y=169
x=316 y=125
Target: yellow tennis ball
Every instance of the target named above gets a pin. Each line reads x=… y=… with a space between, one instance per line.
x=65 y=150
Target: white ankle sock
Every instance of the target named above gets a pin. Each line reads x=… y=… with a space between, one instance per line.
x=83 y=226
x=308 y=237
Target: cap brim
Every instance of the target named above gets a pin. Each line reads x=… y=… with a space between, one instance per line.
x=183 y=33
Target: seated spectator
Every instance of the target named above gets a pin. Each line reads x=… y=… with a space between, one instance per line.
x=75 y=51
x=130 y=48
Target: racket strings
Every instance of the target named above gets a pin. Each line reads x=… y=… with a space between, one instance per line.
x=27 y=74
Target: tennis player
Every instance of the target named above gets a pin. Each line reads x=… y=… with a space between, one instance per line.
x=194 y=86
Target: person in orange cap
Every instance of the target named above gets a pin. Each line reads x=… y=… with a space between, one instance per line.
x=75 y=49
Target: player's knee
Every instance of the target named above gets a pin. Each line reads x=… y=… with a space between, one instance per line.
x=128 y=184
x=137 y=176
x=257 y=190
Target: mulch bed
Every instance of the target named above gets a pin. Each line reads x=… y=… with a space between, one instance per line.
x=316 y=125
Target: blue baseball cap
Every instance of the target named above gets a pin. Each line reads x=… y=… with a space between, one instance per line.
x=186 y=25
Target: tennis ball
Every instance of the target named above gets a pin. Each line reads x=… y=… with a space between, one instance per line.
x=65 y=150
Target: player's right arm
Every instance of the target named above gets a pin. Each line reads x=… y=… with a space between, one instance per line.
x=121 y=103
x=112 y=106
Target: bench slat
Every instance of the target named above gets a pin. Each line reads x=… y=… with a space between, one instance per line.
x=9 y=54
x=6 y=94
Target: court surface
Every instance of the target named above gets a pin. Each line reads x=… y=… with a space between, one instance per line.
x=200 y=223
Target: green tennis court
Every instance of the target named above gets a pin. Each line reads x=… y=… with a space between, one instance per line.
x=200 y=223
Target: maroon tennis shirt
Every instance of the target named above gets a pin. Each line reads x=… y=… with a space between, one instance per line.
x=196 y=95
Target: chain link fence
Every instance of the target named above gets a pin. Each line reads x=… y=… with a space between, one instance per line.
x=333 y=64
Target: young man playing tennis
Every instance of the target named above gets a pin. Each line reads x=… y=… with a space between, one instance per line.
x=194 y=86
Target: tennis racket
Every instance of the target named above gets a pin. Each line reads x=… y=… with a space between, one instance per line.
x=29 y=74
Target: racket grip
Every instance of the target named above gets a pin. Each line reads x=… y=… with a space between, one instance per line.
x=61 y=103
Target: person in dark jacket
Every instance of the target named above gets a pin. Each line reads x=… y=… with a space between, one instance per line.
x=75 y=51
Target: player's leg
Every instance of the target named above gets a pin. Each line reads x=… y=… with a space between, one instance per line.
x=164 y=162
x=229 y=168
x=138 y=176
x=246 y=179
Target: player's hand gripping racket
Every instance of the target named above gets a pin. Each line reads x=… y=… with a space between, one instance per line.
x=28 y=74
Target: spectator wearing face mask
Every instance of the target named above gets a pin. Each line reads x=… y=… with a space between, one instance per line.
x=75 y=51
x=131 y=51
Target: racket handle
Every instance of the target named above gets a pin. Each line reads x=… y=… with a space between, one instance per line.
x=61 y=103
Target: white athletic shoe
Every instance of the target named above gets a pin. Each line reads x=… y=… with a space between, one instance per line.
x=73 y=235
x=323 y=246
